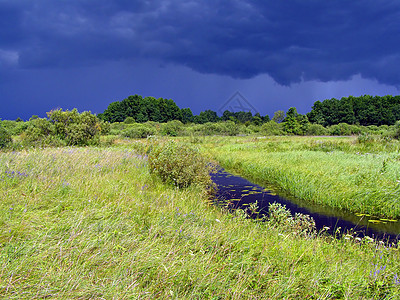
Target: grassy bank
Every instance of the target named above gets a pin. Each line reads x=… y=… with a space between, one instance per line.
x=341 y=172
x=92 y=223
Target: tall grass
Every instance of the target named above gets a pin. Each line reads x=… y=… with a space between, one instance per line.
x=338 y=172
x=93 y=223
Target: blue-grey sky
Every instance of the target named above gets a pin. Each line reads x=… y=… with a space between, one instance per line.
x=277 y=54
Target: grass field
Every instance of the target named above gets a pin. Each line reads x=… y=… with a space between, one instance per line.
x=92 y=223
x=334 y=171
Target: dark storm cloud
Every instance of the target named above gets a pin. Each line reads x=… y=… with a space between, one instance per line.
x=289 y=40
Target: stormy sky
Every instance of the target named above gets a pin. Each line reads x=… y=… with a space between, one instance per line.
x=276 y=54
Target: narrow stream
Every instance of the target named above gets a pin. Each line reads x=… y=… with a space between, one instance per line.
x=241 y=192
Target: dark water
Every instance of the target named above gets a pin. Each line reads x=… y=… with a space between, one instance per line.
x=241 y=193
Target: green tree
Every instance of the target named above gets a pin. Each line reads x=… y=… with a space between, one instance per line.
x=279 y=116
x=227 y=115
x=206 y=116
x=187 y=115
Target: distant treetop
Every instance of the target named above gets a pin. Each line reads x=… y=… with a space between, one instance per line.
x=364 y=110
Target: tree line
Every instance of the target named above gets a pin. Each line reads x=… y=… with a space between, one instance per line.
x=143 y=109
x=364 y=110
x=136 y=116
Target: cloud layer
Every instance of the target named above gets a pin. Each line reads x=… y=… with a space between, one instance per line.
x=292 y=40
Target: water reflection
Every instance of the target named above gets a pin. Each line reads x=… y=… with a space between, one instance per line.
x=241 y=193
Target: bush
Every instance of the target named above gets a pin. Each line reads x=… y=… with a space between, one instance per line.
x=5 y=138
x=366 y=138
x=344 y=129
x=107 y=140
x=77 y=128
x=129 y=120
x=139 y=130
x=81 y=135
x=117 y=128
x=105 y=127
x=65 y=128
x=396 y=130
x=271 y=128
x=180 y=165
x=316 y=129
x=171 y=128
x=14 y=127
x=230 y=128
x=40 y=132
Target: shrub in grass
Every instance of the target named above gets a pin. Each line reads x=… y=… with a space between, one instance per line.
x=230 y=128
x=396 y=130
x=171 y=128
x=117 y=128
x=316 y=129
x=344 y=129
x=280 y=216
x=365 y=138
x=139 y=130
x=179 y=164
x=272 y=128
x=42 y=133
x=77 y=128
x=5 y=138
x=14 y=127
x=81 y=134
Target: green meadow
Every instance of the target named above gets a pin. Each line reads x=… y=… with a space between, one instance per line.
x=97 y=223
x=342 y=172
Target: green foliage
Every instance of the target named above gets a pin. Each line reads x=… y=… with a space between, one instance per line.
x=180 y=164
x=105 y=127
x=366 y=138
x=129 y=120
x=81 y=134
x=76 y=128
x=138 y=130
x=272 y=128
x=316 y=129
x=396 y=130
x=187 y=115
x=230 y=128
x=65 y=127
x=344 y=129
x=14 y=127
x=365 y=110
x=5 y=137
x=280 y=216
x=172 y=128
x=295 y=123
x=206 y=116
x=142 y=110
x=42 y=133
x=279 y=116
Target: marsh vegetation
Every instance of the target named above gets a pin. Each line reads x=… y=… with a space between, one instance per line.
x=96 y=222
